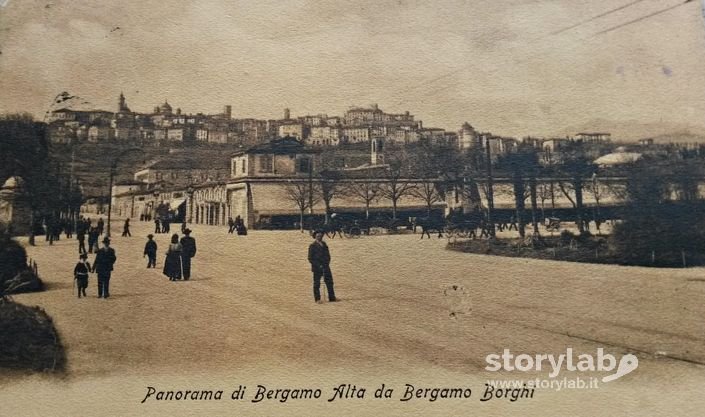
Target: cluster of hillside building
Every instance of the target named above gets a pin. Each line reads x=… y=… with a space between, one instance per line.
x=357 y=125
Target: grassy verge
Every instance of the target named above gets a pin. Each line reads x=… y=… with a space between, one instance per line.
x=586 y=249
x=28 y=339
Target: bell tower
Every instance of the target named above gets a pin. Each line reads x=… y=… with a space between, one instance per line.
x=377 y=151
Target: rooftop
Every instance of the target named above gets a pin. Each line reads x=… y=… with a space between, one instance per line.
x=283 y=146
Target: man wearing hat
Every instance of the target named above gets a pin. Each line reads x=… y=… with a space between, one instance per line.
x=104 y=260
x=319 y=257
x=150 y=251
x=189 y=251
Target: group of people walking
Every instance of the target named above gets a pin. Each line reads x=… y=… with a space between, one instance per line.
x=102 y=265
x=177 y=264
x=85 y=229
x=237 y=225
x=162 y=225
x=55 y=226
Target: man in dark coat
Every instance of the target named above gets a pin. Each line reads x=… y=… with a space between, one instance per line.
x=319 y=257
x=189 y=251
x=81 y=236
x=93 y=240
x=150 y=251
x=100 y=226
x=104 y=260
x=126 y=228
x=157 y=226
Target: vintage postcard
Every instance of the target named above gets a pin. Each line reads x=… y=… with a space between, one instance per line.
x=352 y=208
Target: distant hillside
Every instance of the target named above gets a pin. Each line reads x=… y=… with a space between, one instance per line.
x=92 y=161
x=680 y=137
x=632 y=130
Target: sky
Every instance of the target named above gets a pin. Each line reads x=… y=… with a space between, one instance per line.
x=497 y=64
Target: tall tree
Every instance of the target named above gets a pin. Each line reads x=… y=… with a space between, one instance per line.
x=397 y=178
x=24 y=152
x=330 y=181
x=302 y=193
x=575 y=165
x=365 y=189
x=522 y=165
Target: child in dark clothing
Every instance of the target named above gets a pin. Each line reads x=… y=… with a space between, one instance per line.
x=80 y=274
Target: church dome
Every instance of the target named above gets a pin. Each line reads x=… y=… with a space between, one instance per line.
x=165 y=108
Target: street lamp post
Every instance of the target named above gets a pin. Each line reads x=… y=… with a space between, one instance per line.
x=155 y=203
x=189 y=191
x=110 y=195
x=113 y=167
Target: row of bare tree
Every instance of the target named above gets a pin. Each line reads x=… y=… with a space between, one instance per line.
x=428 y=172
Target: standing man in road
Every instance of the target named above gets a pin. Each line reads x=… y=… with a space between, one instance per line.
x=104 y=260
x=189 y=251
x=319 y=257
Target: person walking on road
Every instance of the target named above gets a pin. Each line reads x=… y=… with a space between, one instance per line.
x=172 y=263
x=157 y=226
x=188 y=245
x=126 y=228
x=100 y=225
x=80 y=274
x=104 y=260
x=150 y=251
x=93 y=240
x=81 y=237
x=319 y=257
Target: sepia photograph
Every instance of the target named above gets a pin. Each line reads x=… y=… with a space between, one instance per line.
x=352 y=208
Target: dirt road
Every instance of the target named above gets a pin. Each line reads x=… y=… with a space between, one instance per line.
x=411 y=313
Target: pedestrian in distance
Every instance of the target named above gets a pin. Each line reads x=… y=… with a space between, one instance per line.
x=157 y=226
x=68 y=228
x=80 y=274
x=126 y=228
x=81 y=237
x=319 y=257
x=172 y=263
x=231 y=225
x=150 y=251
x=240 y=226
x=93 y=240
x=103 y=264
x=50 y=230
x=100 y=225
x=188 y=247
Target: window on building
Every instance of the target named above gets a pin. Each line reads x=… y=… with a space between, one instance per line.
x=304 y=164
x=234 y=168
x=266 y=163
x=243 y=166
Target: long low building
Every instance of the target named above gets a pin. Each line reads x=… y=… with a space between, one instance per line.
x=280 y=178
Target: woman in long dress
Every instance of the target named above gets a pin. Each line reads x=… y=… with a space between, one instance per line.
x=172 y=264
